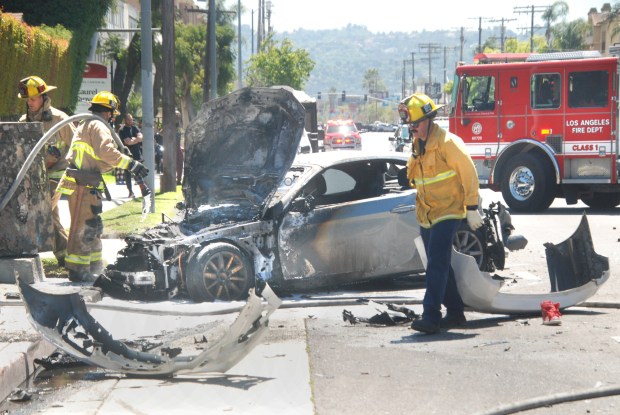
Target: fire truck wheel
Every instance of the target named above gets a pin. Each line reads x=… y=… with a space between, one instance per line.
x=602 y=200
x=528 y=185
x=220 y=271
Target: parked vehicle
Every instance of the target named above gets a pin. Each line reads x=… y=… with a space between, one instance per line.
x=543 y=128
x=264 y=213
x=401 y=140
x=342 y=134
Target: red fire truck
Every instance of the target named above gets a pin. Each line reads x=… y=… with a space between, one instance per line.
x=543 y=128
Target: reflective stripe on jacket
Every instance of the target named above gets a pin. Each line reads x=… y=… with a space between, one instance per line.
x=445 y=178
x=92 y=150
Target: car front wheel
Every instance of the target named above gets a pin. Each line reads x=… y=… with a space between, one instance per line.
x=219 y=272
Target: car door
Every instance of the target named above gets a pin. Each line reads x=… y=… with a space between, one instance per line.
x=358 y=239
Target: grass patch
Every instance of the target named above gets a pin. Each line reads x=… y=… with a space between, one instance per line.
x=51 y=268
x=127 y=218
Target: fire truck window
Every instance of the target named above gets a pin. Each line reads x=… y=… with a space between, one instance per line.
x=546 y=90
x=588 y=89
x=480 y=94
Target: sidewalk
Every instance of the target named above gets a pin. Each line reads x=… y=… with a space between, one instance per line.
x=19 y=343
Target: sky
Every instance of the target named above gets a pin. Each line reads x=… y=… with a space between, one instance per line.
x=404 y=15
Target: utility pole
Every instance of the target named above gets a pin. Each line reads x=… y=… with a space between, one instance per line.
x=502 y=31
x=445 y=68
x=259 y=27
x=531 y=10
x=479 y=31
x=402 y=92
x=412 y=72
x=430 y=49
x=462 y=39
x=168 y=182
x=146 y=61
x=239 y=80
x=211 y=55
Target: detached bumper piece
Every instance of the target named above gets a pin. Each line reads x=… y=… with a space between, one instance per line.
x=575 y=270
x=65 y=322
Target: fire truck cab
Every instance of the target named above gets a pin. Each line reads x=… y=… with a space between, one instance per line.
x=542 y=128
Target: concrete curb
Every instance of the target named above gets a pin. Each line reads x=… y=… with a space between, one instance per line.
x=17 y=360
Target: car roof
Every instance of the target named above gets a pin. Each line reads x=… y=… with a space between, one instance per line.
x=330 y=158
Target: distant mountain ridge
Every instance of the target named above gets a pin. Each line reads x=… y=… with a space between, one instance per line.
x=343 y=56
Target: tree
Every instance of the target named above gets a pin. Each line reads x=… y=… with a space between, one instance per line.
x=279 y=64
x=570 y=35
x=555 y=11
x=372 y=81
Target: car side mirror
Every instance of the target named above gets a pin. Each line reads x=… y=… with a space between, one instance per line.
x=391 y=138
x=303 y=204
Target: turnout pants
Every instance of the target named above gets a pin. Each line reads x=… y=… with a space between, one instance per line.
x=84 y=245
x=60 y=234
x=440 y=281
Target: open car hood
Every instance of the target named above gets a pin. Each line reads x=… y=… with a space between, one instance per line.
x=240 y=146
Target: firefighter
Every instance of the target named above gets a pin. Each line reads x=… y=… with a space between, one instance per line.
x=39 y=109
x=93 y=151
x=445 y=177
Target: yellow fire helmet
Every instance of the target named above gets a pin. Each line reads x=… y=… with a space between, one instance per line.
x=33 y=86
x=108 y=100
x=416 y=108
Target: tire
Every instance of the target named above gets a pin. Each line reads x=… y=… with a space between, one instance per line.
x=528 y=184
x=469 y=242
x=219 y=272
x=602 y=200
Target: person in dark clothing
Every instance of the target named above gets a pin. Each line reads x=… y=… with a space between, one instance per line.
x=132 y=138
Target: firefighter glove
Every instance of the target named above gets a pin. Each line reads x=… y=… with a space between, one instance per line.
x=138 y=169
x=474 y=220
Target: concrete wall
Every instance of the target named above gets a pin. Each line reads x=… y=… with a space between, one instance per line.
x=26 y=222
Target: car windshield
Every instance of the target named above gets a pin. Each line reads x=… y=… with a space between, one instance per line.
x=342 y=129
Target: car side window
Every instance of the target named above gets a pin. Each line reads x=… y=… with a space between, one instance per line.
x=338 y=181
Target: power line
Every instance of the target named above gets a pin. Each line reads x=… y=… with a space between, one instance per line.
x=502 y=31
x=531 y=10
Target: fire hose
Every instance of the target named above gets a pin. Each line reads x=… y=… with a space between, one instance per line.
x=50 y=133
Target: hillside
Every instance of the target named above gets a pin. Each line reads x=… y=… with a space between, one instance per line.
x=343 y=56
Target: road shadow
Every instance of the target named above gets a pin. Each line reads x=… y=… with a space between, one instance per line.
x=242 y=382
x=568 y=211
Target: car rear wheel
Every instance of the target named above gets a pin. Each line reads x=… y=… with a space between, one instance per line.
x=219 y=272
x=469 y=242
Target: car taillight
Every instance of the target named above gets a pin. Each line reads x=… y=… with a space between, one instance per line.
x=337 y=140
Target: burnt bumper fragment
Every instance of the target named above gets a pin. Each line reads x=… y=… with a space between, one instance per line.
x=64 y=320
x=575 y=269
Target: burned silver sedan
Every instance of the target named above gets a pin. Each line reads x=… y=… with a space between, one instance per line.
x=256 y=213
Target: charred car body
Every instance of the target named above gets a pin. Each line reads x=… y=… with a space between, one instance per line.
x=326 y=219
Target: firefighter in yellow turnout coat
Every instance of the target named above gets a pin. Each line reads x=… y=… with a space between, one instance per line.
x=39 y=109
x=93 y=151
x=445 y=177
